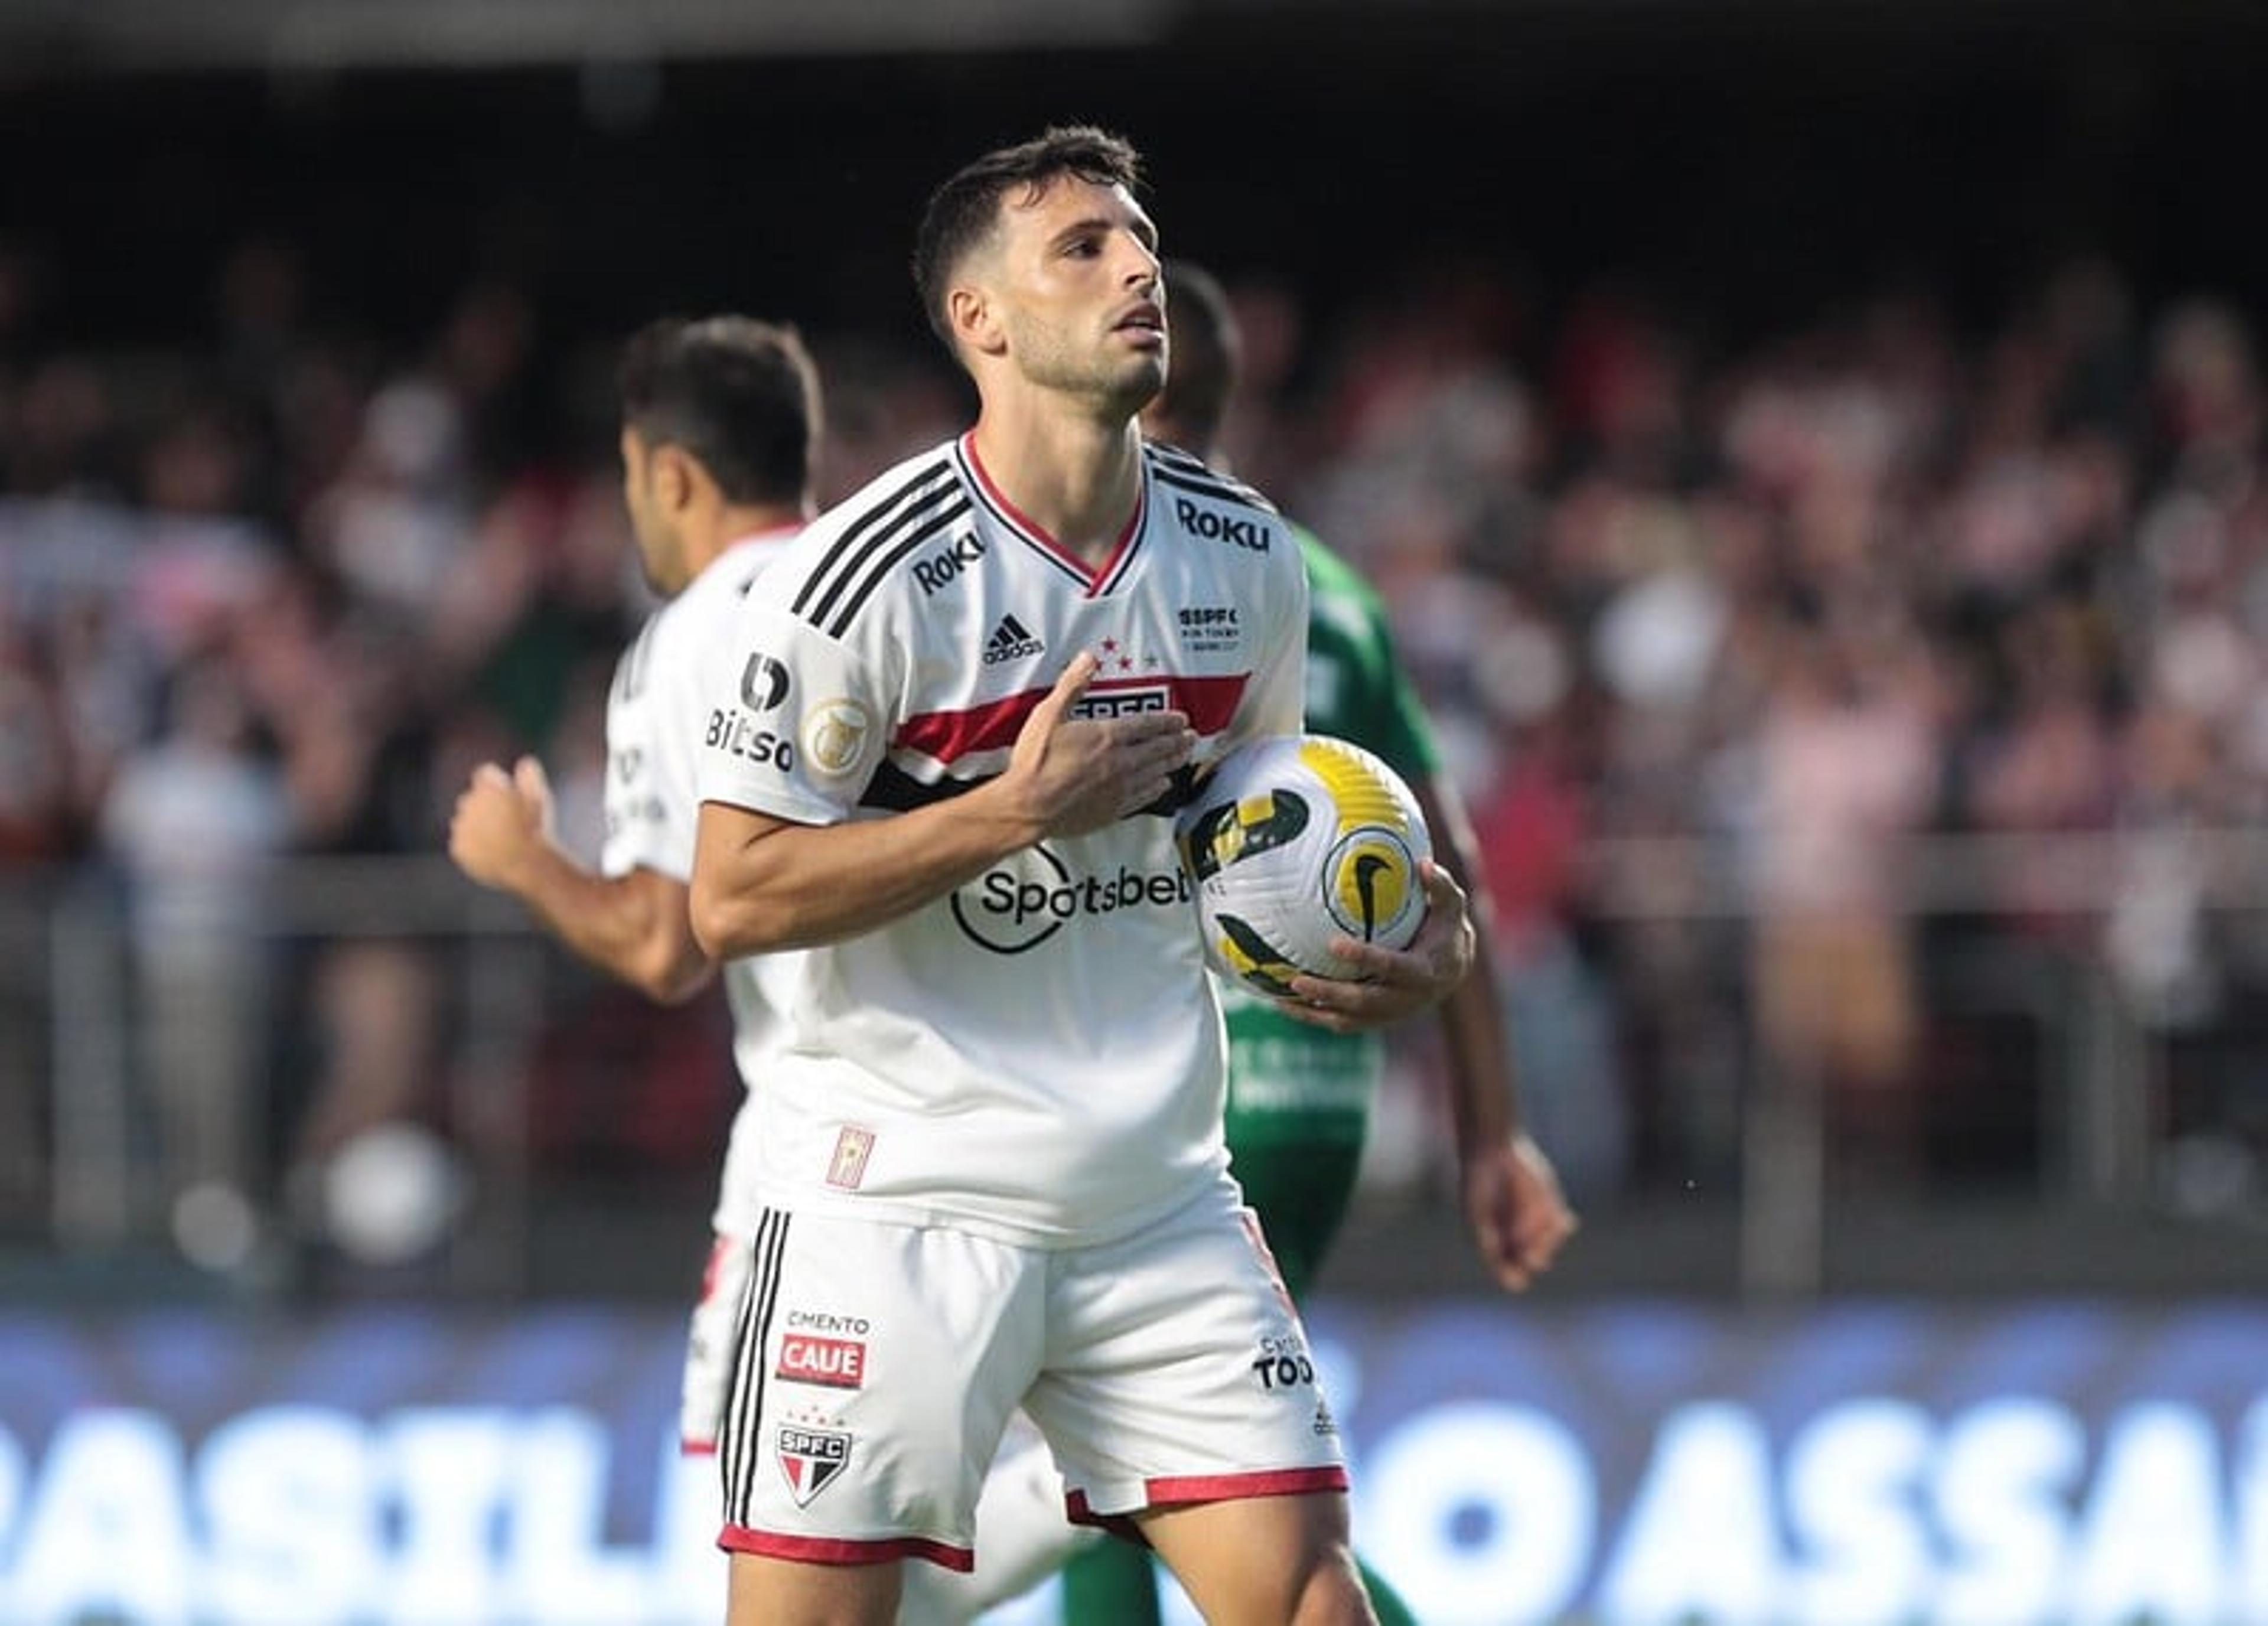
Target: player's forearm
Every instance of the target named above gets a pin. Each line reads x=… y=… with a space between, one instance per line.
x=763 y=885
x=1483 y=1100
x=623 y=926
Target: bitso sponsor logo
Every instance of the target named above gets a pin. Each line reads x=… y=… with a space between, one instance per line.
x=638 y=810
x=831 y=1362
x=736 y=734
x=763 y=683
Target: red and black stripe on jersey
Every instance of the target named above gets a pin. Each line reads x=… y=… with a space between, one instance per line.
x=944 y=738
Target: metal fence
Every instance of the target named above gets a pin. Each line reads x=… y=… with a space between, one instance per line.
x=2115 y=1094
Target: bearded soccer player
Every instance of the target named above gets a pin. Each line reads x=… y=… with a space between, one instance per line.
x=720 y=424
x=954 y=719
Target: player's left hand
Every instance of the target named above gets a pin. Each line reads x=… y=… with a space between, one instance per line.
x=1518 y=1216
x=1395 y=984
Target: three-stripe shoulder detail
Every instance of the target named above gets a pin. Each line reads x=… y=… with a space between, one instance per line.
x=894 y=527
x=1176 y=468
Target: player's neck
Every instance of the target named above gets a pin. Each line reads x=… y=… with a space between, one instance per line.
x=736 y=523
x=1079 y=479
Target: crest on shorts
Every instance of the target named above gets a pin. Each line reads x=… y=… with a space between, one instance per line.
x=847 y=1168
x=810 y=1459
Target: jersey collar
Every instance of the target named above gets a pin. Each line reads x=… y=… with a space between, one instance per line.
x=1094 y=582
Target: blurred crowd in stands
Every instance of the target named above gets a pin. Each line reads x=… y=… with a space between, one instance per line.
x=270 y=589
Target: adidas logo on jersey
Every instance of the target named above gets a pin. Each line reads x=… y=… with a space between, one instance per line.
x=1010 y=641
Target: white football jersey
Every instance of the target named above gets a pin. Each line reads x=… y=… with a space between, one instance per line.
x=654 y=716
x=1038 y=1055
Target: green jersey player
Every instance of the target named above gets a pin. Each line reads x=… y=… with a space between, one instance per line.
x=1300 y=1095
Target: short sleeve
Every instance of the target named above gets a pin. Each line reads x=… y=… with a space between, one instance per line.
x=795 y=720
x=649 y=821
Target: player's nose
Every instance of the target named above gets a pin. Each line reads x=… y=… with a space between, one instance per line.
x=1142 y=269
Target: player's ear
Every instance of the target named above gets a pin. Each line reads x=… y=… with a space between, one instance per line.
x=974 y=321
x=676 y=477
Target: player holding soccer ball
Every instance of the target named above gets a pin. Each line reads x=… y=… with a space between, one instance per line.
x=945 y=735
x=1300 y=1097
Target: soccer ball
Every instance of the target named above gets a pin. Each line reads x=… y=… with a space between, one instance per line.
x=1294 y=839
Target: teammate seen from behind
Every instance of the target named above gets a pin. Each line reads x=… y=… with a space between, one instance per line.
x=950 y=725
x=719 y=427
x=1300 y=1099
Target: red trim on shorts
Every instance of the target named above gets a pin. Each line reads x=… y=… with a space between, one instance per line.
x=696 y=1448
x=823 y=1550
x=1259 y=1241
x=1204 y=1488
x=1235 y=1487
x=713 y=1266
x=1120 y=1525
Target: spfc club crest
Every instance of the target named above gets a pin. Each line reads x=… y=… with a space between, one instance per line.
x=810 y=1459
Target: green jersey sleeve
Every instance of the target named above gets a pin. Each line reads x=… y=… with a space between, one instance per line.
x=1355 y=688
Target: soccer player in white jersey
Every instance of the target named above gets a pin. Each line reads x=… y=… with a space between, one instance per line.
x=720 y=422
x=943 y=742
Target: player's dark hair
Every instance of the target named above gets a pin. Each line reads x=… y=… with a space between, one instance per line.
x=739 y=395
x=1207 y=351
x=964 y=211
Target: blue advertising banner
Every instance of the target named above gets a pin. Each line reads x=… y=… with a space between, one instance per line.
x=1617 y=1465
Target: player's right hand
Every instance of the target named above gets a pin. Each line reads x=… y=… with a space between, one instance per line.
x=1072 y=775
x=1519 y=1215
x=499 y=819
x=1392 y=984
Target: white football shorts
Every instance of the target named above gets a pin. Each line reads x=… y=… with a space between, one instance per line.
x=708 y=1346
x=876 y=1366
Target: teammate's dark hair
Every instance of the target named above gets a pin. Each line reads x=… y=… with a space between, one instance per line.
x=964 y=211
x=1207 y=353
x=740 y=395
